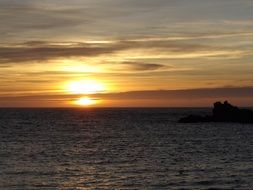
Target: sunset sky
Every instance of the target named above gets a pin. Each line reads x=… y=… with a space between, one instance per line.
x=125 y=53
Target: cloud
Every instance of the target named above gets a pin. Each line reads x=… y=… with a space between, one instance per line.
x=141 y=66
x=63 y=19
x=242 y=95
x=5 y=66
x=182 y=94
x=41 y=51
x=35 y=51
x=221 y=92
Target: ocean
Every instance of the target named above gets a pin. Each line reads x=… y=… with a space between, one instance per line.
x=110 y=149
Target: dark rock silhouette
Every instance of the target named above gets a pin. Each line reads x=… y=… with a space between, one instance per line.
x=222 y=112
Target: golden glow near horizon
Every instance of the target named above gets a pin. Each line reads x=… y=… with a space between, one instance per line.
x=85 y=87
x=85 y=101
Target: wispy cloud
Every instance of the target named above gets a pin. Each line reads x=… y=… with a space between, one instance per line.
x=203 y=97
x=141 y=66
x=41 y=51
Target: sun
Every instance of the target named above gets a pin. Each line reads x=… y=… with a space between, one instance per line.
x=85 y=101
x=85 y=87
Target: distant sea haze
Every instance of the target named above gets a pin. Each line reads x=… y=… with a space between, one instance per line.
x=122 y=149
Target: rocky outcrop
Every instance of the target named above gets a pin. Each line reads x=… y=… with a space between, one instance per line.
x=222 y=112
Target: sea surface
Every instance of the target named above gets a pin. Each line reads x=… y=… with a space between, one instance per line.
x=49 y=149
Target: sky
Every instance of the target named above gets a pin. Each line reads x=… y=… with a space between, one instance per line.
x=125 y=53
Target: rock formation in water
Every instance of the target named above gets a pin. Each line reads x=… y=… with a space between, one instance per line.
x=222 y=112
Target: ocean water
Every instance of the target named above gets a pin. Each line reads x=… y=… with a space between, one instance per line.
x=121 y=149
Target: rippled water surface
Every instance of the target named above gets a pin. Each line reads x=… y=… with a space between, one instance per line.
x=121 y=149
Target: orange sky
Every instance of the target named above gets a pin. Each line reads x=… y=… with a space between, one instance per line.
x=113 y=53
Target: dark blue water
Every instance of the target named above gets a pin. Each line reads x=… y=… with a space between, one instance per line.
x=121 y=149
